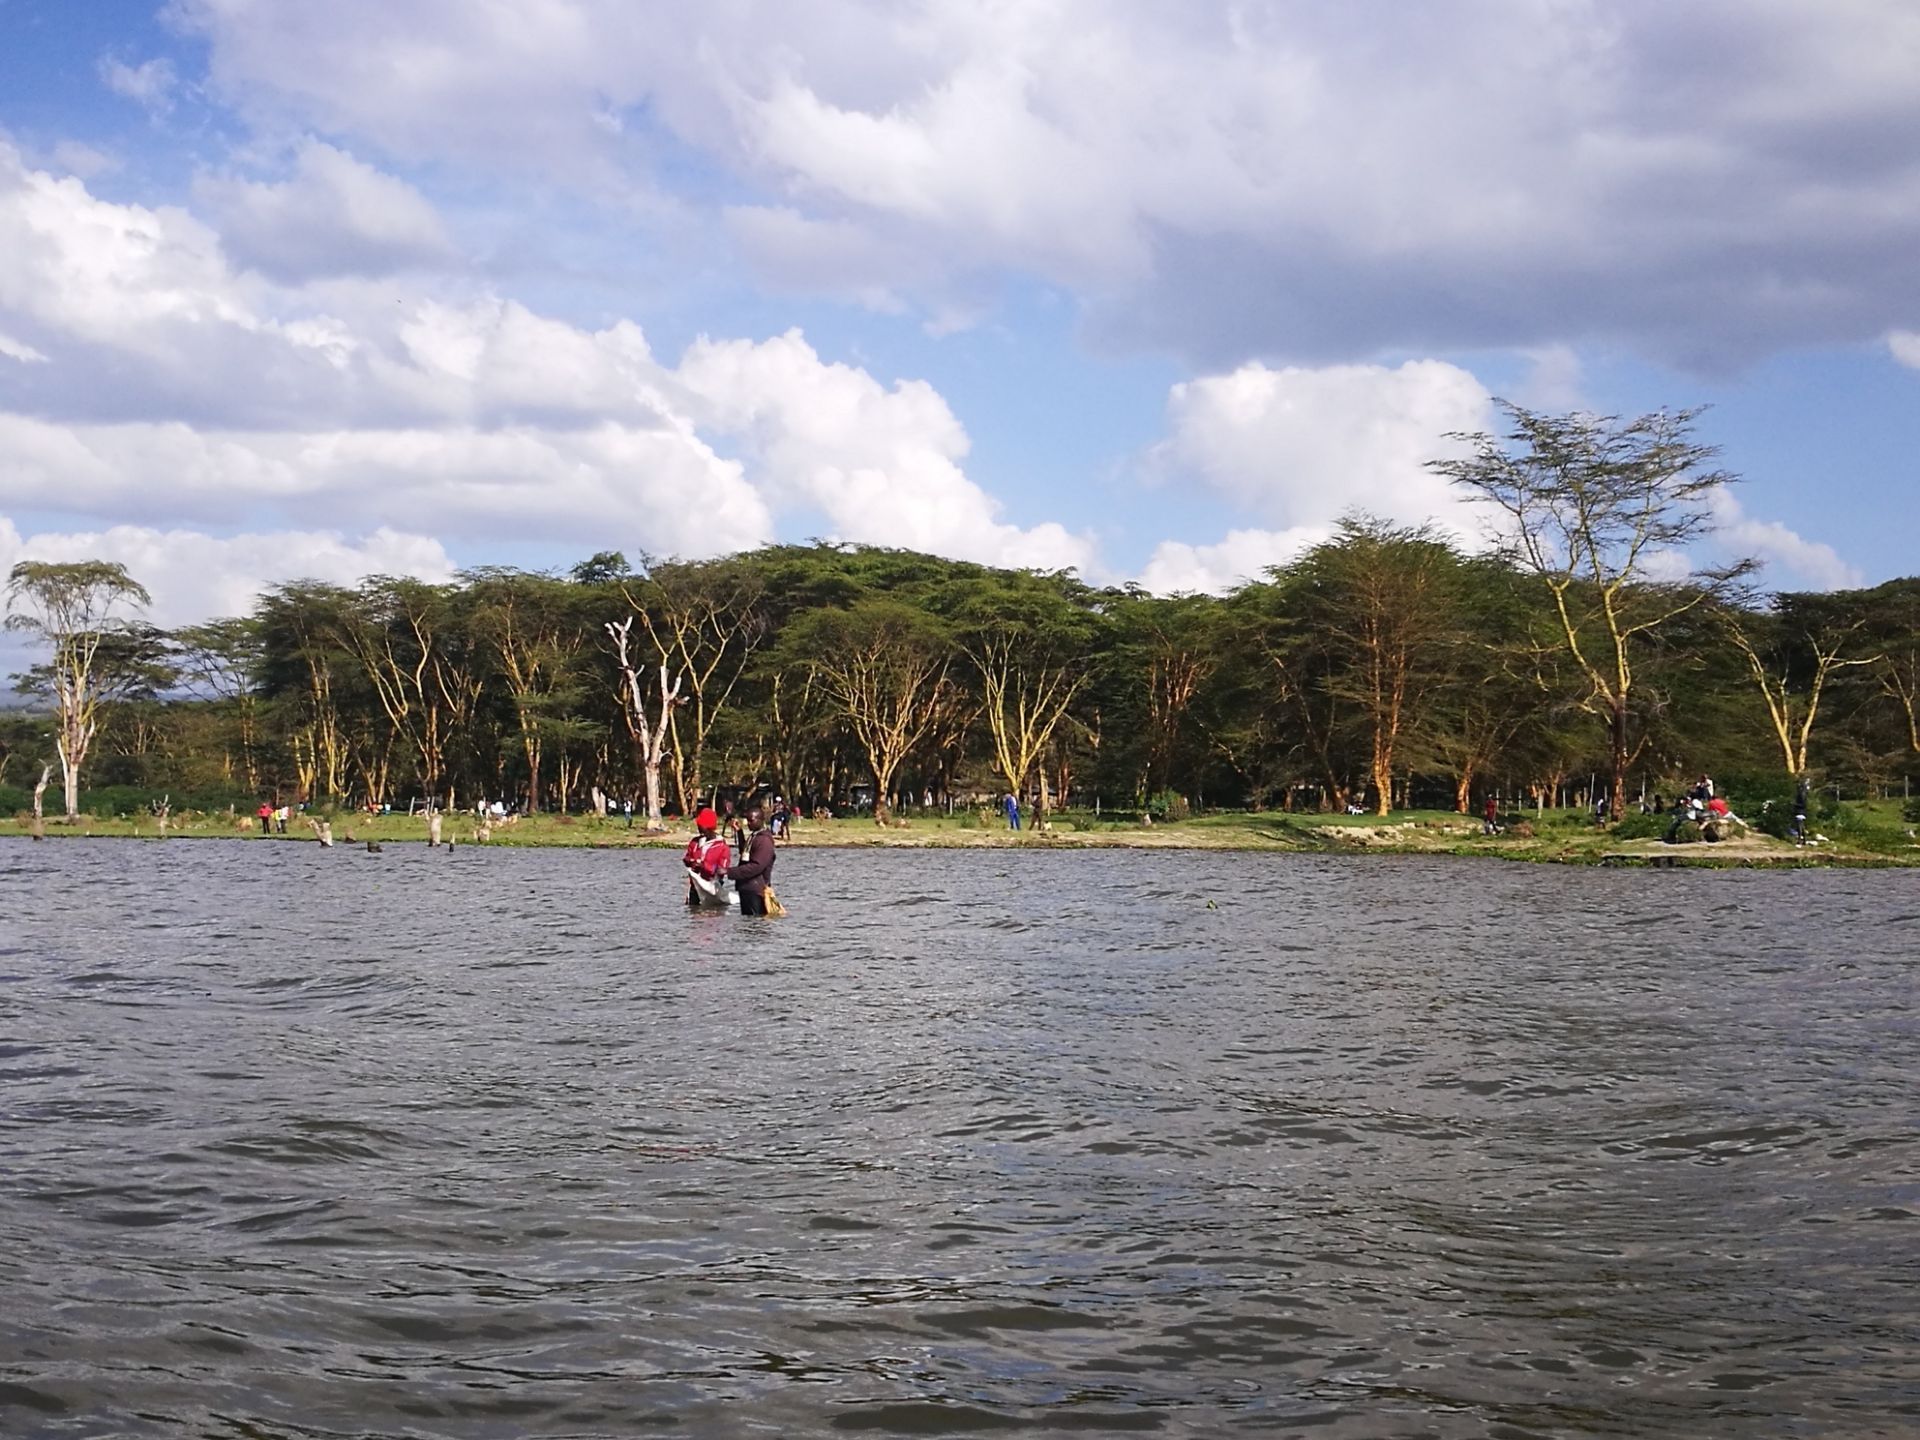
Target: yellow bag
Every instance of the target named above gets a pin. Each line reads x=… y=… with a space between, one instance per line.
x=774 y=907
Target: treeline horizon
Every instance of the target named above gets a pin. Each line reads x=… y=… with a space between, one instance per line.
x=1384 y=668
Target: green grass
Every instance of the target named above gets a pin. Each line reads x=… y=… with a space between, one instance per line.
x=1858 y=833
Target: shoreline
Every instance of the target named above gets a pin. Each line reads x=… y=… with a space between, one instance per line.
x=1557 y=843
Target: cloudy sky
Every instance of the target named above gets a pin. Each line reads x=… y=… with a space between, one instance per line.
x=1153 y=290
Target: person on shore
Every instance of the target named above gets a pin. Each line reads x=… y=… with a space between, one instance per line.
x=1490 y=824
x=755 y=868
x=1802 y=796
x=265 y=816
x=1693 y=807
x=708 y=856
x=1012 y=806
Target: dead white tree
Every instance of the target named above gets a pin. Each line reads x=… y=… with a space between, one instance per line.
x=39 y=799
x=649 y=735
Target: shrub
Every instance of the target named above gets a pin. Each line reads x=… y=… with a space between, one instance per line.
x=1635 y=826
x=1168 y=805
x=113 y=800
x=1765 y=803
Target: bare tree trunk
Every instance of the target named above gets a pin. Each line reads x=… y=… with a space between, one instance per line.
x=533 y=774
x=652 y=737
x=39 y=796
x=70 y=781
x=1620 y=758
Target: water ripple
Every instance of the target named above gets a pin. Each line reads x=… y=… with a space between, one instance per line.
x=505 y=1143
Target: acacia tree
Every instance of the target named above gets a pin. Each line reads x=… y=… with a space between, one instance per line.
x=1594 y=507
x=1502 y=691
x=221 y=660
x=705 y=622
x=309 y=679
x=413 y=644
x=1381 y=599
x=1168 y=647
x=531 y=626
x=78 y=608
x=883 y=664
x=1792 y=653
x=1893 y=618
x=1027 y=641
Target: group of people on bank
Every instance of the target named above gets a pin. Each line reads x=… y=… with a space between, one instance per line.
x=746 y=859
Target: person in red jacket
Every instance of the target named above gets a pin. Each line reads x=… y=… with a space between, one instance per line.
x=755 y=869
x=707 y=854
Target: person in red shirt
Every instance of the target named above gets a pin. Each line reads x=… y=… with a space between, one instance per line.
x=708 y=856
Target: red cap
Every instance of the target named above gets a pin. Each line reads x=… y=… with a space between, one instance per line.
x=707 y=820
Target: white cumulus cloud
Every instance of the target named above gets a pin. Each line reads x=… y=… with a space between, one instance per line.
x=196 y=576
x=883 y=464
x=333 y=216
x=1810 y=563
x=1306 y=181
x=1300 y=447
x=240 y=400
x=1178 y=568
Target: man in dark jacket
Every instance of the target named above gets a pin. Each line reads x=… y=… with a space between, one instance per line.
x=755 y=869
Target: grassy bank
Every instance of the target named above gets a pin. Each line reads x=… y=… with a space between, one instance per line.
x=1871 y=833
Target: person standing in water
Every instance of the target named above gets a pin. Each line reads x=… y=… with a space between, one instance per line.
x=707 y=854
x=755 y=867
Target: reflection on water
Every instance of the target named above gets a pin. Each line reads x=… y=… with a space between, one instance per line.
x=501 y=1143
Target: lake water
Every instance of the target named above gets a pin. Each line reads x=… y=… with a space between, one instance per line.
x=504 y=1143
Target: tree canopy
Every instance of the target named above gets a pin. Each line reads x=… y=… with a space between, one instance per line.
x=1380 y=669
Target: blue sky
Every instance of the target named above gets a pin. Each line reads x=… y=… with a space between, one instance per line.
x=1158 y=292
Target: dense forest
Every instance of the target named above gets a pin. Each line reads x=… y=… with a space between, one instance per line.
x=1384 y=668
